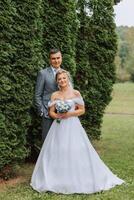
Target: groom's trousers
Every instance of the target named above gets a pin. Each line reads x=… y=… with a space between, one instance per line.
x=46 y=124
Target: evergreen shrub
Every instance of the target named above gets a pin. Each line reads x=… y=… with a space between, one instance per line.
x=21 y=56
x=96 y=49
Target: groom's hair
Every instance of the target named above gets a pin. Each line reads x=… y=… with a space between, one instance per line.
x=53 y=51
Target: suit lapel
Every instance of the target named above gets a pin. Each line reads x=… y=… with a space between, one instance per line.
x=52 y=77
x=51 y=73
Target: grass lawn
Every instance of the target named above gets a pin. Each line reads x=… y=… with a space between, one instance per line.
x=116 y=148
x=123 y=99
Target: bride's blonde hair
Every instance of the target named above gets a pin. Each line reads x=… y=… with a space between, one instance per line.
x=62 y=71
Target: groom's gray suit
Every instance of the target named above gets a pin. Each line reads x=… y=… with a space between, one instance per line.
x=45 y=86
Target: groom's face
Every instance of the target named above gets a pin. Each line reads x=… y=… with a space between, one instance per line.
x=56 y=59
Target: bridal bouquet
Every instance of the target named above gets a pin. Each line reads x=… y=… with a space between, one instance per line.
x=62 y=107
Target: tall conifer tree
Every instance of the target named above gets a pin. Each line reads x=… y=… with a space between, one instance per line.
x=60 y=30
x=21 y=57
x=96 y=48
x=7 y=50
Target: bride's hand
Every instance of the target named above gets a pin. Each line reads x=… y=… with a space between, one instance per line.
x=63 y=115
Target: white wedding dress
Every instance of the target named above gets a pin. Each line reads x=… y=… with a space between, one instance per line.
x=68 y=163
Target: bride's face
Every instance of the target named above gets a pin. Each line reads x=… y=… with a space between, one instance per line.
x=62 y=80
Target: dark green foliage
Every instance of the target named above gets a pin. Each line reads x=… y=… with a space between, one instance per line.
x=20 y=59
x=96 y=48
x=5 y=61
x=60 y=30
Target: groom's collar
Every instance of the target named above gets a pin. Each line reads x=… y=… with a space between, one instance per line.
x=55 y=69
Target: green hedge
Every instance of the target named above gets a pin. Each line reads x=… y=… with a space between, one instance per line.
x=21 y=57
x=96 y=48
x=60 y=30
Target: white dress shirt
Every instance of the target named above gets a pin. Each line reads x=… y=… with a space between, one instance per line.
x=55 y=70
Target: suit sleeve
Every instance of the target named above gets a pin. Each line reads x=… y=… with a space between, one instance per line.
x=39 y=91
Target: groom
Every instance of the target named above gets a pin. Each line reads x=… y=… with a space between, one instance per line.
x=45 y=86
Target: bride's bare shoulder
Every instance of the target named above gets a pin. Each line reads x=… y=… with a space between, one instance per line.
x=55 y=95
x=77 y=93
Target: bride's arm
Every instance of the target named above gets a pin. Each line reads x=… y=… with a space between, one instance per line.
x=80 y=108
x=52 y=110
x=78 y=112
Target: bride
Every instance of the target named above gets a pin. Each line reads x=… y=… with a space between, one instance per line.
x=68 y=163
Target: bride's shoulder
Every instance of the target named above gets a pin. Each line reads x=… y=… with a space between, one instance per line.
x=78 y=98
x=53 y=99
x=77 y=93
x=55 y=95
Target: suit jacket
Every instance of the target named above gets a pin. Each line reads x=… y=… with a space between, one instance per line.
x=45 y=86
